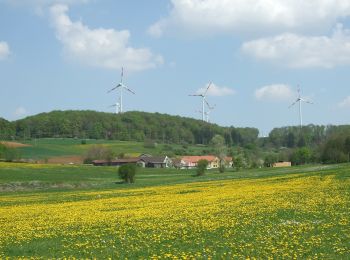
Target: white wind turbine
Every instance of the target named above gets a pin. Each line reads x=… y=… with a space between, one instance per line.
x=300 y=99
x=203 y=100
x=117 y=107
x=121 y=86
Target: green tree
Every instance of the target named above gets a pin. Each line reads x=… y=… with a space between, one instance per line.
x=347 y=147
x=220 y=150
x=201 y=167
x=127 y=172
x=302 y=156
x=270 y=159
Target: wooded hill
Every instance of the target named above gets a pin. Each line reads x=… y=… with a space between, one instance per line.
x=135 y=126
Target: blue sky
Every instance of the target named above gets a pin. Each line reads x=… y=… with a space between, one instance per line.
x=67 y=54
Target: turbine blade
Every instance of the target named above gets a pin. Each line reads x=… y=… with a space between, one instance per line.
x=294 y=103
x=121 y=75
x=129 y=89
x=206 y=102
x=196 y=95
x=114 y=88
x=207 y=89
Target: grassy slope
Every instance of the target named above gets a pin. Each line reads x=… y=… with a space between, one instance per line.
x=52 y=147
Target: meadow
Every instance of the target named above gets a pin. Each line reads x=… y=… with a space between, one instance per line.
x=56 y=211
x=45 y=148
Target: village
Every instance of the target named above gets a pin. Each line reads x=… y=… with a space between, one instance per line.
x=184 y=162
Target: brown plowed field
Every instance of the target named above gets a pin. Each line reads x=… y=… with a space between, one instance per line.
x=14 y=144
x=75 y=159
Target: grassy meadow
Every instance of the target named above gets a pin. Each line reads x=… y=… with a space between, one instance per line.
x=57 y=211
x=45 y=148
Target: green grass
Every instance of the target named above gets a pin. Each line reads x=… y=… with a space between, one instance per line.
x=29 y=177
x=52 y=147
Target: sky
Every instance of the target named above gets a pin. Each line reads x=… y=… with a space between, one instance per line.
x=67 y=54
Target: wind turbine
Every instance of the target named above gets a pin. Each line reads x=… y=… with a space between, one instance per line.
x=117 y=107
x=203 y=100
x=121 y=86
x=300 y=99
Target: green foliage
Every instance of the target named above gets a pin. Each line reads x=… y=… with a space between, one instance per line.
x=127 y=172
x=136 y=126
x=201 y=167
x=301 y=156
x=83 y=142
x=270 y=159
x=98 y=152
x=336 y=149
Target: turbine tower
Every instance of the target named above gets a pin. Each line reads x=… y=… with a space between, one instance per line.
x=204 y=95
x=300 y=100
x=210 y=109
x=121 y=86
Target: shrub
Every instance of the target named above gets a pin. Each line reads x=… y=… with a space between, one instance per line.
x=127 y=172
x=201 y=167
x=222 y=167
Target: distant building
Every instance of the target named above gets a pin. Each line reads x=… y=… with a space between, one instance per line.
x=190 y=162
x=155 y=162
x=144 y=161
x=281 y=164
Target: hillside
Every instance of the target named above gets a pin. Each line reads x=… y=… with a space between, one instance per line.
x=129 y=126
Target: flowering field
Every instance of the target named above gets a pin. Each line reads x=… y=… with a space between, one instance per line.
x=304 y=215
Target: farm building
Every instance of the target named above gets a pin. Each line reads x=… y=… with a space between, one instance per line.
x=155 y=162
x=116 y=162
x=281 y=164
x=144 y=161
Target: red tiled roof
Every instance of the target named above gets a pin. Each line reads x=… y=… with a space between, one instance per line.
x=195 y=159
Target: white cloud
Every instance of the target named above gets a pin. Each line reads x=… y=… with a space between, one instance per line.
x=215 y=90
x=106 y=48
x=298 y=51
x=213 y=16
x=345 y=103
x=277 y=92
x=20 y=111
x=4 y=50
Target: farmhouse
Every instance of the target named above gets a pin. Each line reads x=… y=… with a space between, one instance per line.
x=190 y=162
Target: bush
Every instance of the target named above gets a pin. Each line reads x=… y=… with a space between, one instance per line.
x=201 y=167
x=127 y=172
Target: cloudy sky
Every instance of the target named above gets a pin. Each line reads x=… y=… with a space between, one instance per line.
x=66 y=54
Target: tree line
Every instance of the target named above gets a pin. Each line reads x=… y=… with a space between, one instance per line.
x=129 y=126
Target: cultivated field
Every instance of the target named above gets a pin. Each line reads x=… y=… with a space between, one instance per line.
x=61 y=211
